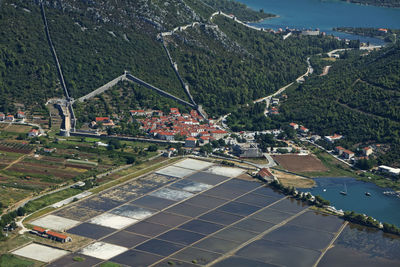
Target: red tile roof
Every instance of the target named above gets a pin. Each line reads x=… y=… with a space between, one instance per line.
x=102 y=119
x=264 y=172
x=38 y=229
x=219 y=132
x=166 y=133
x=61 y=236
x=191 y=139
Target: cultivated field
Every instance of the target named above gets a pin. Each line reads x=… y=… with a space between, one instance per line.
x=295 y=163
x=15 y=128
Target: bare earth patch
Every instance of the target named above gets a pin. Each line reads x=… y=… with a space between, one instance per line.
x=296 y=163
x=293 y=180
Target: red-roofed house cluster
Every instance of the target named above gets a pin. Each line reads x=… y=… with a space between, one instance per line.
x=300 y=128
x=10 y=118
x=166 y=127
x=50 y=234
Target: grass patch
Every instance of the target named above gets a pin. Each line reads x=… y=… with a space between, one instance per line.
x=92 y=140
x=380 y=181
x=47 y=200
x=8 y=260
x=13 y=241
x=262 y=160
x=335 y=167
x=78 y=259
x=39 y=214
x=331 y=59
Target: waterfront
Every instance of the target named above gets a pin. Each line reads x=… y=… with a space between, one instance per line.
x=383 y=208
x=325 y=15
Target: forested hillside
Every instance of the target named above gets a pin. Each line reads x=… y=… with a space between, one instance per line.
x=27 y=71
x=360 y=98
x=231 y=65
x=97 y=40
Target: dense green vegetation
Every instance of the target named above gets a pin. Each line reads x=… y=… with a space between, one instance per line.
x=233 y=64
x=358 y=99
x=250 y=118
x=241 y=11
x=103 y=47
x=362 y=219
x=385 y=3
x=95 y=43
x=304 y=197
x=27 y=72
x=102 y=52
x=8 y=260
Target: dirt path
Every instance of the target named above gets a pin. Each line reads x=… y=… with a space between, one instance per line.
x=18 y=160
x=331 y=243
x=363 y=112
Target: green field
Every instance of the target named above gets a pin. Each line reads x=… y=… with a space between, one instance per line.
x=335 y=167
x=8 y=260
x=50 y=199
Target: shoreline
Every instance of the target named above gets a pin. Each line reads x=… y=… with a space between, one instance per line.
x=261 y=20
x=366 y=4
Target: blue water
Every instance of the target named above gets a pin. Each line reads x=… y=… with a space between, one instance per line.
x=381 y=207
x=325 y=15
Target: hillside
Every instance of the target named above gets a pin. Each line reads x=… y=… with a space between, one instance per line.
x=27 y=72
x=230 y=64
x=360 y=99
x=95 y=42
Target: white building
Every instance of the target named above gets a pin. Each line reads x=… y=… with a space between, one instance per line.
x=389 y=170
x=333 y=138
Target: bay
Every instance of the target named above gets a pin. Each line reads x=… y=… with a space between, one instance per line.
x=382 y=207
x=326 y=15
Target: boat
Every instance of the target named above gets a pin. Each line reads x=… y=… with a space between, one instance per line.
x=324 y=190
x=345 y=190
x=368 y=194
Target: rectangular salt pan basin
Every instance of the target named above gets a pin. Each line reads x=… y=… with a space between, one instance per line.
x=103 y=250
x=175 y=172
x=112 y=221
x=40 y=252
x=56 y=223
x=171 y=194
x=225 y=171
x=193 y=164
